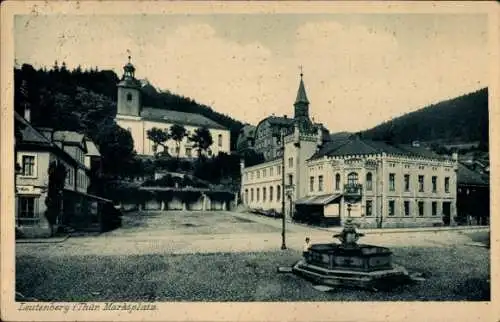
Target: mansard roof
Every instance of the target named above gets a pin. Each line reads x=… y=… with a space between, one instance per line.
x=177 y=117
x=356 y=146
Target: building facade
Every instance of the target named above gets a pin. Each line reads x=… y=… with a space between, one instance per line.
x=138 y=120
x=375 y=183
x=36 y=149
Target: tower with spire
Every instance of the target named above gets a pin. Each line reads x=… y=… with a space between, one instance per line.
x=129 y=92
x=301 y=102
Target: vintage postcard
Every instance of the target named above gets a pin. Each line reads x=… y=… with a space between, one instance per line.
x=255 y=161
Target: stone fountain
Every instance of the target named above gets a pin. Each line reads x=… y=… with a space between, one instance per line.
x=350 y=264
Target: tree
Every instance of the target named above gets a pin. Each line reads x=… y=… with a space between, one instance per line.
x=116 y=148
x=57 y=178
x=177 y=133
x=159 y=137
x=202 y=139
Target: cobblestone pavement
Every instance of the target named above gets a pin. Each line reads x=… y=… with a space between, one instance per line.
x=187 y=232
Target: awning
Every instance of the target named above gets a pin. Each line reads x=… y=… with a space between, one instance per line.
x=318 y=200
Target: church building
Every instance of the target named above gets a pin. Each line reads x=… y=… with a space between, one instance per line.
x=138 y=119
x=324 y=181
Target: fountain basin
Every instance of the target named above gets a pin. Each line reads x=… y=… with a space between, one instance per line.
x=354 y=265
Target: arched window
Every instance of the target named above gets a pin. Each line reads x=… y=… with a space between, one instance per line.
x=369 y=182
x=129 y=97
x=337 y=181
x=352 y=178
x=278 y=192
x=271 y=193
x=219 y=139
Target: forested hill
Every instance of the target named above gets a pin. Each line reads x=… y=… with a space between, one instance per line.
x=53 y=96
x=462 y=119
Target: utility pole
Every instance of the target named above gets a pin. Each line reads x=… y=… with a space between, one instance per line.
x=283 y=244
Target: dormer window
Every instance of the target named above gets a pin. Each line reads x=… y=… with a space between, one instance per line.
x=129 y=97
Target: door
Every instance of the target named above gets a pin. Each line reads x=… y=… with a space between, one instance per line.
x=446 y=213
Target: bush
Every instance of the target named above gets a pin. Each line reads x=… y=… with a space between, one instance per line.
x=111 y=218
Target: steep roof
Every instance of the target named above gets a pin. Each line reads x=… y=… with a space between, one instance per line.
x=29 y=133
x=68 y=136
x=468 y=177
x=92 y=148
x=177 y=117
x=301 y=93
x=356 y=146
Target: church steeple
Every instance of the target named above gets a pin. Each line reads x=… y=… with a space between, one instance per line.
x=301 y=102
x=129 y=70
x=129 y=92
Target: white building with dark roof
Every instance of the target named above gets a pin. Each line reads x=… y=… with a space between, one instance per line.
x=324 y=181
x=138 y=120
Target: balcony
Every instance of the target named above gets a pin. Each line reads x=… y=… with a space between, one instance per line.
x=353 y=190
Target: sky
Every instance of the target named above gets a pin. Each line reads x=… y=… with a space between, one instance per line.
x=359 y=69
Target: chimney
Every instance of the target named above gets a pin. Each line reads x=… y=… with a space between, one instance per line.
x=27 y=113
x=285 y=116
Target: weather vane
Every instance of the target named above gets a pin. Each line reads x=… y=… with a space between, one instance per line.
x=301 y=71
x=129 y=57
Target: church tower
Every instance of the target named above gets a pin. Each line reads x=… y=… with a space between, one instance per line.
x=129 y=92
x=301 y=102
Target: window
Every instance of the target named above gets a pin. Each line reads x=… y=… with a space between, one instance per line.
x=337 y=181
x=258 y=194
x=258 y=174
x=447 y=184
x=264 y=194
x=407 y=182
x=70 y=176
x=270 y=193
x=278 y=169
x=290 y=179
x=28 y=162
x=129 y=97
x=421 y=183
x=434 y=208
x=188 y=153
x=369 y=208
x=352 y=178
x=278 y=192
x=271 y=170
x=311 y=184
x=391 y=207
x=421 y=208
x=251 y=194
x=434 y=183
x=209 y=152
x=219 y=140
x=369 y=183
x=246 y=196
x=392 y=183
x=320 y=183
x=177 y=150
x=264 y=173
x=26 y=212
x=290 y=162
